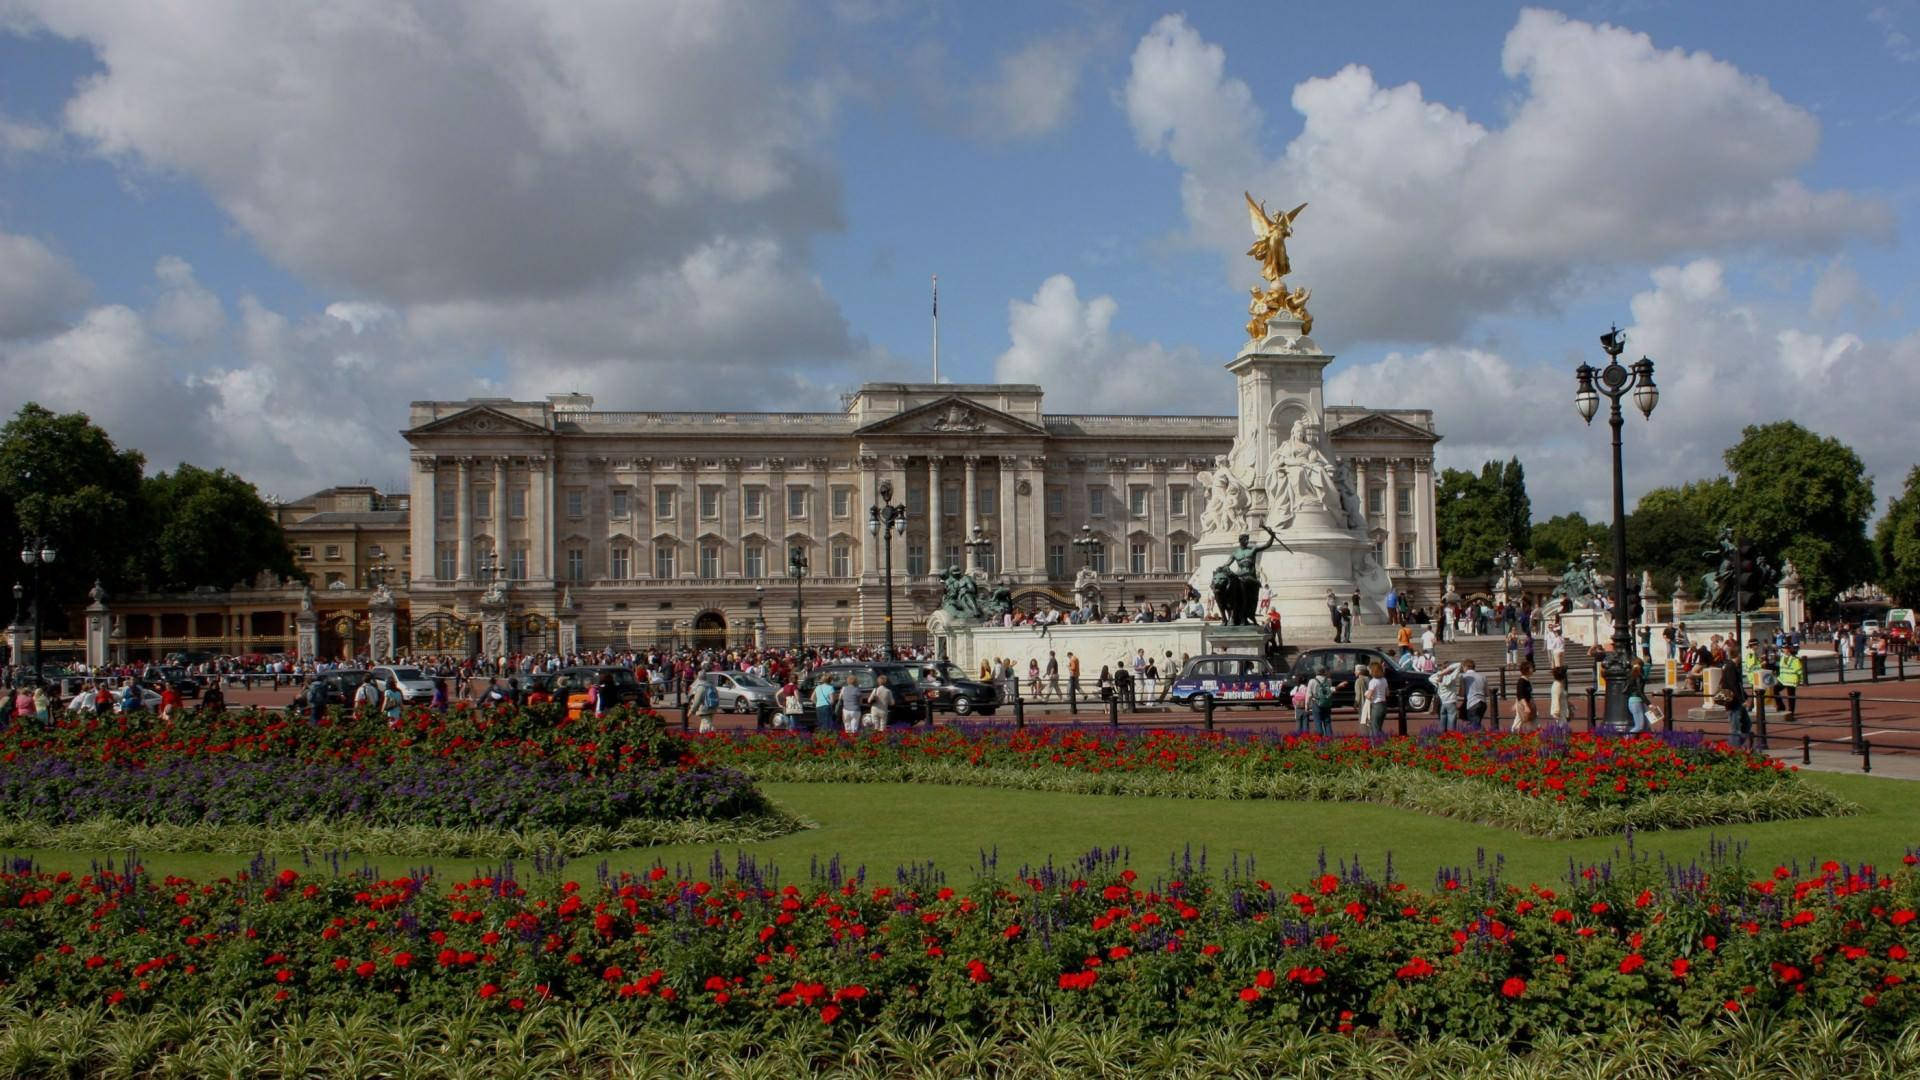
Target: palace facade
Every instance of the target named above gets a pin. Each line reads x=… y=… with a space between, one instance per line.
x=629 y=528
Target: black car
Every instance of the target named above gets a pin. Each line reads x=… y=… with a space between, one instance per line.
x=340 y=686
x=909 y=701
x=569 y=687
x=183 y=684
x=946 y=688
x=1339 y=662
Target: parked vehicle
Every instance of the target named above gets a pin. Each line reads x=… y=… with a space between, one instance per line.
x=743 y=691
x=948 y=689
x=909 y=701
x=1229 y=679
x=1415 y=687
x=340 y=685
x=183 y=684
x=415 y=685
x=570 y=687
x=83 y=701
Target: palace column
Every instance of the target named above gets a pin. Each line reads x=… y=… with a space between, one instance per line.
x=1425 y=554
x=1360 y=489
x=539 y=515
x=1392 y=502
x=971 y=495
x=1006 y=544
x=1036 y=524
x=500 y=547
x=463 y=520
x=424 y=521
x=869 y=496
x=936 y=549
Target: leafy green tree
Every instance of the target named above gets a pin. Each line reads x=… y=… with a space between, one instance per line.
x=1672 y=528
x=61 y=477
x=1519 y=508
x=212 y=528
x=1896 y=542
x=1474 y=519
x=1558 y=541
x=1806 y=497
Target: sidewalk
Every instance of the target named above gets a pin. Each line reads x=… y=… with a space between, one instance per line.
x=1885 y=766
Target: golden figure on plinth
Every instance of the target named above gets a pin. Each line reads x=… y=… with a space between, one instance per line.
x=1270 y=248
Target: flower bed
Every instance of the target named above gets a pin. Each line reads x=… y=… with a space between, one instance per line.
x=1342 y=952
x=1557 y=785
x=481 y=781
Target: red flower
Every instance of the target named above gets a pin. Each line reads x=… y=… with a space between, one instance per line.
x=977 y=971
x=402 y=959
x=488 y=990
x=829 y=1014
x=1513 y=987
x=1901 y=917
x=1264 y=980
x=366 y=969
x=1416 y=968
x=1680 y=966
x=1631 y=963
x=1250 y=995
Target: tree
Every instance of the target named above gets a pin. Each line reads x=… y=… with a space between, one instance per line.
x=211 y=528
x=1519 y=508
x=1474 y=517
x=1558 y=541
x=1671 y=530
x=1896 y=543
x=1805 y=497
x=62 y=478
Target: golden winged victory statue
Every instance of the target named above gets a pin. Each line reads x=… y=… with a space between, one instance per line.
x=1270 y=248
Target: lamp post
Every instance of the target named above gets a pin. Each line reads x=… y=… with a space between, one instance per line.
x=1087 y=543
x=884 y=519
x=35 y=555
x=1120 y=593
x=1617 y=381
x=979 y=545
x=759 y=616
x=376 y=570
x=1506 y=562
x=797 y=570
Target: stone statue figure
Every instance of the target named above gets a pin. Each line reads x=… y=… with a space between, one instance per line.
x=1354 y=515
x=382 y=596
x=1236 y=582
x=1270 y=239
x=1577 y=587
x=1722 y=586
x=97 y=594
x=1300 y=477
x=961 y=598
x=306 y=598
x=496 y=594
x=1227 y=499
x=999 y=601
x=1086 y=588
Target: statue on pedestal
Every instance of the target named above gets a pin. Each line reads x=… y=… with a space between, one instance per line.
x=961 y=599
x=306 y=598
x=1227 y=499
x=1236 y=582
x=1086 y=588
x=496 y=594
x=1300 y=476
x=382 y=596
x=1270 y=248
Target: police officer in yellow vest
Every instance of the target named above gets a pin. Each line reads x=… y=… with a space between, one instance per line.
x=1793 y=672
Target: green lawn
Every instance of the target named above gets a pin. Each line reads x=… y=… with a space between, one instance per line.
x=882 y=826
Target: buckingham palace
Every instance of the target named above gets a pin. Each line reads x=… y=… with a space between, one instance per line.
x=604 y=528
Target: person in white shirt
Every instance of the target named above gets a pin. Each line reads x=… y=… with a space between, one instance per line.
x=1427 y=640
x=879 y=701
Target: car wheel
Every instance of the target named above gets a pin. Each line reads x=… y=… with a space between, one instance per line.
x=962 y=705
x=1418 y=701
x=740 y=704
x=1199 y=702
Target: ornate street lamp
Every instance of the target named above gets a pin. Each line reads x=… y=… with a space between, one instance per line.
x=1087 y=543
x=978 y=545
x=35 y=555
x=1616 y=381
x=884 y=519
x=1506 y=562
x=759 y=616
x=797 y=570
x=376 y=570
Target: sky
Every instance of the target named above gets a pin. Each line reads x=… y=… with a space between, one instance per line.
x=247 y=235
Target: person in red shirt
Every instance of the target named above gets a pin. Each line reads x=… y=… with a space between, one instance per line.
x=169 y=698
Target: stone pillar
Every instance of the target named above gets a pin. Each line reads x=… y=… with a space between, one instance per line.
x=500 y=546
x=971 y=495
x=869 y=497
x=1682 y=603
x=1034 y=475
x=1649 y=600
x=424 y=520
x=493 y=625
x=1426 y=551
x=99 y=624
x=307 y=634
x=1360 y=488
x=463 y=520
x=540 y=517
x=19 y=642
x=380 y=628
x=1006 y=542
x=1392 y=505
x=936 y=543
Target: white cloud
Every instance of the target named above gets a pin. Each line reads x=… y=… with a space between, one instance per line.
x=20 y=137
x=39 y=289
x=1031 y=93
x=1840 y=288
x=1722 y=362
x=1899 y=44
x=1070 y=347
x=1615 y=153
x=185 y=309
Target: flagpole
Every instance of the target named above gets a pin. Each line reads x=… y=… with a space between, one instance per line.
x=936 y=328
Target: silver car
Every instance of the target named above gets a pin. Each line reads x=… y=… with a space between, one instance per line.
x=743 y=691
x=415 y=685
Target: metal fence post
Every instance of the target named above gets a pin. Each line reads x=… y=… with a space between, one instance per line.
x=1853 y=718
x=1900 y=664
x=1666 y=710
x=1019 y=713
x=1073 y=699
x=1866 y=756
x=1593 y=717
x=1760 y=719
x=1403 y=714
x=1207 y=709
x=1806 y=749
x=1113 y=710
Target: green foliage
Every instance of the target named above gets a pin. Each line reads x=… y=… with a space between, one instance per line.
x=1560 y=540
x=61 y=477
x=1671 y=530
x=1896 y=543
x=1805 y=497
x=1477 y=517
x=212 y=528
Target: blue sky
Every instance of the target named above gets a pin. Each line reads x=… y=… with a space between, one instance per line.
x=246 y=236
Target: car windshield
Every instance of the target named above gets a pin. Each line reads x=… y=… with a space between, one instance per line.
x=622 y=677
x=408 y=674
x=749 y=679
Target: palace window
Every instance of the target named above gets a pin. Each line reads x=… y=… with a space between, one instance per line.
x=622 y=563
x=1376 y=497
x=1057 y=561
x=953 y=556
x=1096 y=502
x=663 y=500
x=1177 y=502
x=1403 y=499
x=483 y=502
x=985 y=560
x=842 y=501
x=517 y=502
x=1136 y=558
x=333 y=551
x=755 y=560
x=576 y=503
x=443 y=501
x=446 y=559
x=1177 y=557
x=517 y=562
x=1056 y=501
x=622 y=503
x=842 y=559
x=916 y=560
x=710 y=560
x=306 y=551
x=709 y=503
x=916 y=500
x=983 y=500
x=1098 y=559
x=663 y=561
x=1137 y=501
x=796 y=503
x=949 y=500
x=576 y=564
x=1405 y=548
x=754 y=503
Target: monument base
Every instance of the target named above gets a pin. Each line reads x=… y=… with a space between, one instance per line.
x=1299 y=576
x=1097 y=644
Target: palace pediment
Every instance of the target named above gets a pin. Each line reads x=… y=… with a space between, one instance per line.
x=479 y=420
x=952 y=415
x=1381 y=426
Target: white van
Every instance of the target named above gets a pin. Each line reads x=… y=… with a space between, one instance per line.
x=415 y=685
